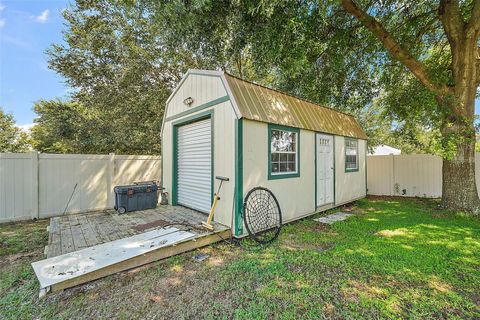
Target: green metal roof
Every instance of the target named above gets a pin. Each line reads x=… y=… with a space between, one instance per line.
x=256 y=102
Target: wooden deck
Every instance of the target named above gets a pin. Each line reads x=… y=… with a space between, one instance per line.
x=71 y=233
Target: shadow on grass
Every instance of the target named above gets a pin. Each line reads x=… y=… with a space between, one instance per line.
x=395 y=258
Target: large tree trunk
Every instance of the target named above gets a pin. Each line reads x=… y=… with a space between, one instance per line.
x=459 y=187
x=458 y=97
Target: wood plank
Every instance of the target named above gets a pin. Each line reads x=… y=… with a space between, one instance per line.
x=88 y=232
x=188 y=217
x=136 y=218
x=105 y=224
x=120 y=225
x=149 y=257
x=54 y=238
x=55 y=248
x=95 y=223
x=77 y=233
x=66 y=234
x=110 y=227
x=127 y=220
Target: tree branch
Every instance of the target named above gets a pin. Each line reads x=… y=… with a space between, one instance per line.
x=477 y=57
x=452 y=21
x=474 y=23
x=399 y=53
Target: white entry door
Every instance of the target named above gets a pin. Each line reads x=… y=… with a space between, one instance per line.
x=194 y=165
x=325 y=167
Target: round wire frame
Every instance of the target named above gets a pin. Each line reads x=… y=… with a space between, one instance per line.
x=262 y=215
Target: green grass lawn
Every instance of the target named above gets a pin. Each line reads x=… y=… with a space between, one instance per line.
x=396 y=258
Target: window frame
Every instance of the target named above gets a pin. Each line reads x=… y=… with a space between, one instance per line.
x=357 y=156
x=283 y=175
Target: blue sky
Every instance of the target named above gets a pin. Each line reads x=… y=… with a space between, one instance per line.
x=27 y=29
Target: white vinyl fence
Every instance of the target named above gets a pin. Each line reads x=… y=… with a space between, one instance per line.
x=37 y=185
x=416 y=175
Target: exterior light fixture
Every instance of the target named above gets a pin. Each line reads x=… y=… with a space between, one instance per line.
x=188 y=101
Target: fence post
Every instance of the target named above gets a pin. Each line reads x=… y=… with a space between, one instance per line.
x=35 y=178
x=393 y=177
x=111 y=179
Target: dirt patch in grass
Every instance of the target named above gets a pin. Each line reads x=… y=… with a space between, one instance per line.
x=19 y=257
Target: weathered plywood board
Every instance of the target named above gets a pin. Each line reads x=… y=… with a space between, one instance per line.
x=53 y=271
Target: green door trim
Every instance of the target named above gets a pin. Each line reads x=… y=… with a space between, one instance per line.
x=175 y=125
x=366 y=168
x=315 y=164
x=238 y=231
x=334 y=172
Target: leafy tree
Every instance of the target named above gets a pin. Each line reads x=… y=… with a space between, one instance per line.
x=407 y=70
x=421 y=60
x=61 y=127
x=12 y=138
x=122 y=75
x=436 y=50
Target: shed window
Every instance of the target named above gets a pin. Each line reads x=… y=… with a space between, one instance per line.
x=351 y=155
x=283 y=152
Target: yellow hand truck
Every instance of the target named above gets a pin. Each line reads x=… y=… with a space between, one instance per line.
x=207 y=225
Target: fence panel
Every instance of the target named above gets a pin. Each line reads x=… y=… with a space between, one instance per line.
x=137 y=168
x=16 y=188
x=36 y=185
x=417 y=175
x=84 y=178
x=380 y=180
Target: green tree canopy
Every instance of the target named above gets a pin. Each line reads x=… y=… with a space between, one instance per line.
x=121 y=74
x=408 y=70
x=12 y=138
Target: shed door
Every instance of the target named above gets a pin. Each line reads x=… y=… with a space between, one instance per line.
x=194 y=164
x=325 y=167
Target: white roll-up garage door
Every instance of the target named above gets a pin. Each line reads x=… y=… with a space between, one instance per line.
x=194 y=165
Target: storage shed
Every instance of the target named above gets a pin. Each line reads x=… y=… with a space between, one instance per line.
x=311 y=157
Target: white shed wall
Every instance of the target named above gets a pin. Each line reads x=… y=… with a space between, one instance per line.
x=201 y=88
x=204 y=89
x=349 y=185
x=296 y=196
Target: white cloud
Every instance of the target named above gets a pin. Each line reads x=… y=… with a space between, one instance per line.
x=25 y=127
x=2 y=21
x=43 y=17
